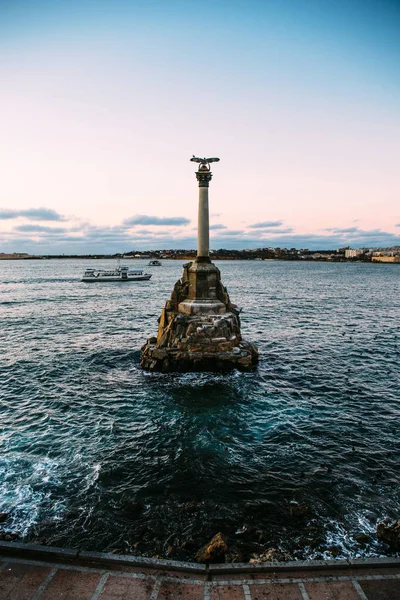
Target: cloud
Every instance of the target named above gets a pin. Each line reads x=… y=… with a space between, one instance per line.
x=41 y=229
x=343 y=230
x=354 y=236
x=376 y=234
x=275 y=231
x=358 y=239
x=149 y=220
x=397 y=225
x=34 y=214
x=85 y=238
x=264 y=224
x=109 y=241
x=230 y=233
x=143 y=232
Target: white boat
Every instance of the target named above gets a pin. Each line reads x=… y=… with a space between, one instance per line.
x=118 y=274
x=154 y=263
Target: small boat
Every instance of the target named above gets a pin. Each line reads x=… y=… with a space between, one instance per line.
x=118 y=274
x=154 y=263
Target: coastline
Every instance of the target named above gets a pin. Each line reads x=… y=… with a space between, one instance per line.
x=189 y=257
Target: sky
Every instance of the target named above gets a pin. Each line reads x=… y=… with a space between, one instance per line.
x=103 y=102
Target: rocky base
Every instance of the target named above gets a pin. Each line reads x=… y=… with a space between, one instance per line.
x=389 y=532
x=199 y=354
x=198 y=340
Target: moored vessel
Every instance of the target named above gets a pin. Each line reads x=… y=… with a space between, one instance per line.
x=118 y=274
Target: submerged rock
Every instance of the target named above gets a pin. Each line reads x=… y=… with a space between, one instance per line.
x=299 y=510
x=335 y=551
x=361 y=538
x=10 y=537
x=305 y=542
x=389 y=532
x=187 y=544
x=171 y=551
x=4 y=517
x=214 y=551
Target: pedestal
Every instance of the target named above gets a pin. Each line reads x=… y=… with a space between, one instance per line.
x=203 y=278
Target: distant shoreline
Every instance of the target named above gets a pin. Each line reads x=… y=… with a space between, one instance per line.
x=311 y=258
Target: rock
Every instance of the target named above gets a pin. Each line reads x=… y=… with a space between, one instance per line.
x=245 y=361
x=270 y=555
x=389 y=532
x=171 y=550
x=195 y=347
x=160 y=354
x=4 y=517
x=163 y=341
x=180 y=318
x=163 y=320
x=335 y=551
x=224 y=346
x=209 y=349
x=191 y=329
x=9 y=537
x=299 y=510
x=361 y=538
x=214 y=551
x=311 y=542
x=233 y=555
x=187 y=545
x=181 y=330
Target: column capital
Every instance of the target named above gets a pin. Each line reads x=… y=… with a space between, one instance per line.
x=204 y=178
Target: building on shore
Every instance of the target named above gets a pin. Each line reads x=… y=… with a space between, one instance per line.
x=14 y=256
x=386 y=259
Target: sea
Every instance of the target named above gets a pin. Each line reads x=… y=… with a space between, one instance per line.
x=302 y=454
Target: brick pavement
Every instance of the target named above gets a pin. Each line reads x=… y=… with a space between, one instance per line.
x=28 y=579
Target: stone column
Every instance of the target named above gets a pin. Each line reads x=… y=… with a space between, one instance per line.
x=203 y=176
x=203 y=276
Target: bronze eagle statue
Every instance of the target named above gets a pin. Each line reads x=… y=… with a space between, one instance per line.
x=203 y=161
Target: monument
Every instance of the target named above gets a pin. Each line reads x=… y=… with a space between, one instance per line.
x=199 y=328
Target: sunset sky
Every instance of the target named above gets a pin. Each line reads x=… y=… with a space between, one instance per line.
x=103 y=102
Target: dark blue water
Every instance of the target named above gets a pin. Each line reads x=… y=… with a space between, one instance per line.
x=96 y=453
